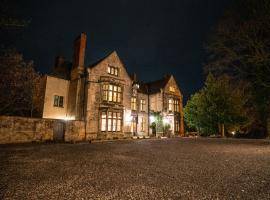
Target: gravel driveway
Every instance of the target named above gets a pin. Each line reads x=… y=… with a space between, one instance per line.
x=142 y=169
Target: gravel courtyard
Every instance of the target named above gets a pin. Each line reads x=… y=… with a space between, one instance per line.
x=142 y=169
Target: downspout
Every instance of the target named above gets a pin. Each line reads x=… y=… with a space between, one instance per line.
x=84 y=105
x=148 y=107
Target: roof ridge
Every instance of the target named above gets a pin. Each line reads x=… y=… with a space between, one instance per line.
x=101 y=59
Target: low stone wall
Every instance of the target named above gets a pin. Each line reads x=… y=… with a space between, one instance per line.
x=74 y=131
x=21 y=129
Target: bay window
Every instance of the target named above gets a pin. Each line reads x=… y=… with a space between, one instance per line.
x=111 y=93
x=111 y=121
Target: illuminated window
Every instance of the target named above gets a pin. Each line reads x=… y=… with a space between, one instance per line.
x=111 y=121
x=143 y=124
x=170 y=105
x=103 y=121
x=112 y=93
x=133 y=125
x=176 y=104
x=113 y=70
x=142 y=105
x=133 y=103
x=172 y=89
x=58 y=101
x=176 y=126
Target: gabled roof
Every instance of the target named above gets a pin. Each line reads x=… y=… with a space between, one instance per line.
x=155 y=86
x=102 y=59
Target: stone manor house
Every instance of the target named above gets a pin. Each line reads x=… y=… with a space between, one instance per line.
x=109 y=101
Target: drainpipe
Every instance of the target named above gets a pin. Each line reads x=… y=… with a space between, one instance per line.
x=84 y=105
x=148 y=109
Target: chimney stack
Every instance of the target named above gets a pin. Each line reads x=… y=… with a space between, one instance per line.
x=79 y=51
x=59 y=61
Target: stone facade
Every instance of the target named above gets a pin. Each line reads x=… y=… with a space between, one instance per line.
x=21 y=130
x=109 y=101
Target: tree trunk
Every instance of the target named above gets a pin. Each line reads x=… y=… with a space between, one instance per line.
x=222 y=130
x=267 y=127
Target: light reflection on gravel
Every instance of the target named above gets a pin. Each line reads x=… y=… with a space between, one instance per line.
x=142 y=169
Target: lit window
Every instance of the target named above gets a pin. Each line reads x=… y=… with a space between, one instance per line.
x=133 y=125
x=133 y=103
x=113 y=70
x=176 y=126
x=170 y=105
x=143 y=124
x=111 y=122
x=103 y=121
x=172 y=89
x=58 y=101
x=176 y=105
x=142 y=105
x=112 y=93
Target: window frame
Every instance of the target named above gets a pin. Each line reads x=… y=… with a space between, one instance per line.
x=133 y=103
x=143 y=124
x=142 y=105
x=113 y=70
x=111 y=121
x=58 y=101
x=112 y=93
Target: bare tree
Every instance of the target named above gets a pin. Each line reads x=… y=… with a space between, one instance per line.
x=240 y=47
x=18 y=84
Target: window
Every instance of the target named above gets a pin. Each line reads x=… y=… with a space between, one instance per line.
x=133 y=103
x=143 y=124
x=58 y=101
x=113 y=70
x=172 y=89
x=133 y=125
x=112 y=93
x=103 y=121
x=142 y=105
x=170 y=105
x=176 y=105
x=111 y=121
x=176 y=126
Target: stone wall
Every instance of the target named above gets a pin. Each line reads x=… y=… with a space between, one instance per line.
x=21 y=130
x=75 y=131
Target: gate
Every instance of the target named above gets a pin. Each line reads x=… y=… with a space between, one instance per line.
x=58 y=131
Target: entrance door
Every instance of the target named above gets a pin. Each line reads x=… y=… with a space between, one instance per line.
x=58 y=131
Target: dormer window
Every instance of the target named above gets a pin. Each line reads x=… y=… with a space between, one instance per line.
x=113 y=70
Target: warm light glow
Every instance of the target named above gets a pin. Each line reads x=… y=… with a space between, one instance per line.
x=166 y=121
x=128 y=117
x=69 y=118
x=233 y=133
x=152 y=119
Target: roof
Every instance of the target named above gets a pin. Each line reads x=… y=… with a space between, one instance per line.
x=100 y=60
x=154 y=86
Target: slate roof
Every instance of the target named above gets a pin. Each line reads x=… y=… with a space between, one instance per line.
x=154 y=86
x=100 y=60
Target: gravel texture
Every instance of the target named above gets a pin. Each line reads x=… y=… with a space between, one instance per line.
x=180 y=168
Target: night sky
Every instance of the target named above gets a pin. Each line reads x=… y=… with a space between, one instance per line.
x=152 y=38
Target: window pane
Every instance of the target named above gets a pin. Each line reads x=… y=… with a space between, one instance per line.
x=116 y=72
x=55 y=102
x=61 y=101
x=119 y=125
x=103 y=121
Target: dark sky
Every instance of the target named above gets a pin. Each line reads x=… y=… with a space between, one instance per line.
x=152 y=38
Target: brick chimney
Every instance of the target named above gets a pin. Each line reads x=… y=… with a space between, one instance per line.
x=78 y=56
